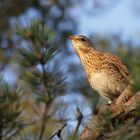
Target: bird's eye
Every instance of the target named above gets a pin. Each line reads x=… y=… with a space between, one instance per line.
x=83 y=39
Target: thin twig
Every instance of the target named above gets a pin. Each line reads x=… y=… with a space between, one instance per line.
x=79 y=120
x=58 y=133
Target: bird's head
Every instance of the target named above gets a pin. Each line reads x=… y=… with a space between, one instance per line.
x=81 y=43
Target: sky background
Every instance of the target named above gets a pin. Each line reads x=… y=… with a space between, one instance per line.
x=117 y=17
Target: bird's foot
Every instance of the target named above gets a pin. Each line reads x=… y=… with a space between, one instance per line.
x=109 y=102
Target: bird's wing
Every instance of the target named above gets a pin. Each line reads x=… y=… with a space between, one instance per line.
x=117 y=64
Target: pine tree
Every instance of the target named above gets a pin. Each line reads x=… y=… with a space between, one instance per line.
x=43 y=79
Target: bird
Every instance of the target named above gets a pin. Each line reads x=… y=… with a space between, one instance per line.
x=106 y=72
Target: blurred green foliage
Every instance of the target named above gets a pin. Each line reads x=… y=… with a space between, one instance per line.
x=10 y=110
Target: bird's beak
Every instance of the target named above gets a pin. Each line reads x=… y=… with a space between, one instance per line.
x=73 y=38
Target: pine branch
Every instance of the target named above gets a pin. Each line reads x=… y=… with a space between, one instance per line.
x=10 y=109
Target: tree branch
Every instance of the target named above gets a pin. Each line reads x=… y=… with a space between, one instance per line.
x=123 y=108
